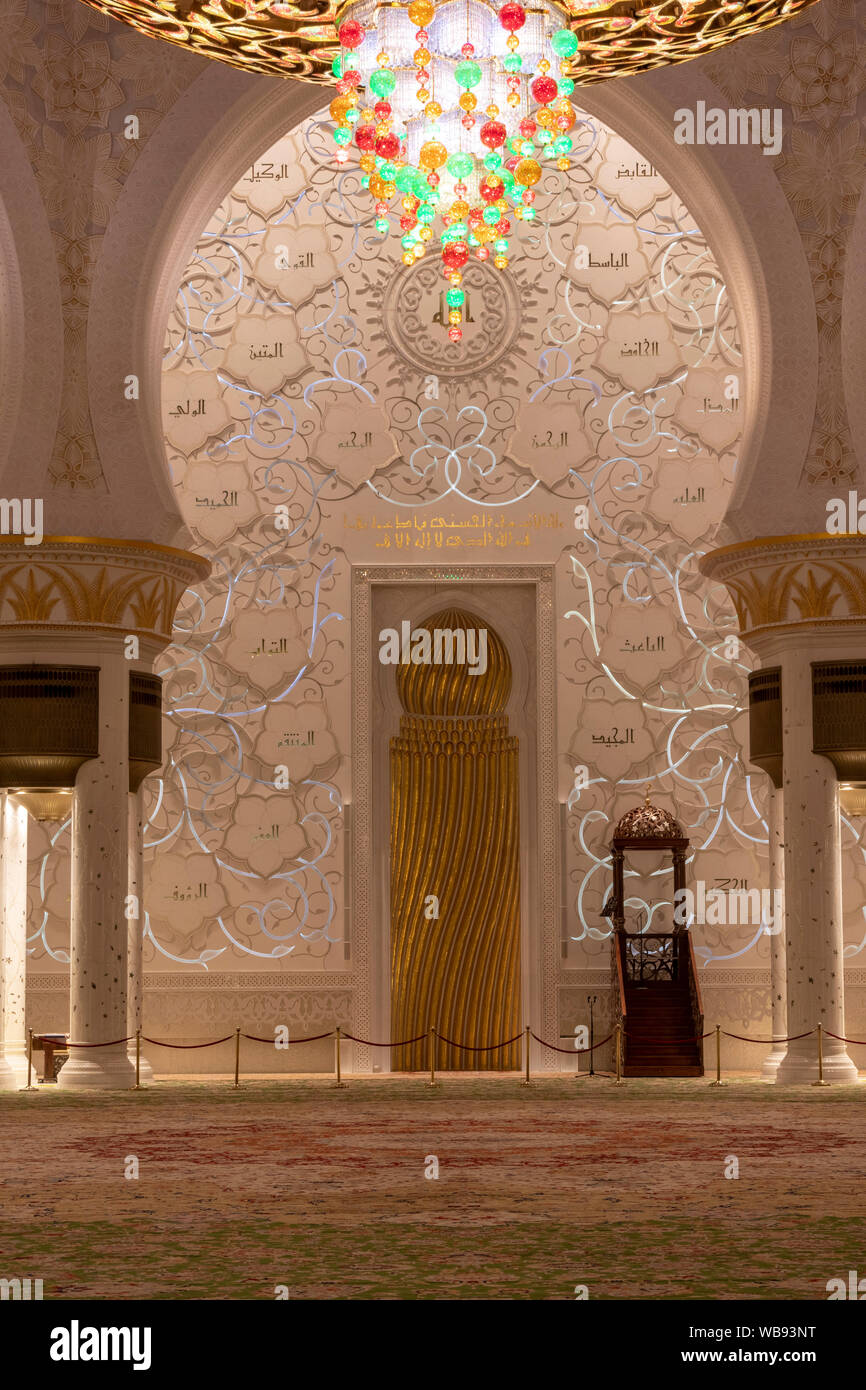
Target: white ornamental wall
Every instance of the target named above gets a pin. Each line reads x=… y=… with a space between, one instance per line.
x=317 y=417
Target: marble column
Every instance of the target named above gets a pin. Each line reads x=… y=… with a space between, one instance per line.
x=98 y=948
x=13 y=949
x=813 y=882
x=778 y=938
x=135 y=976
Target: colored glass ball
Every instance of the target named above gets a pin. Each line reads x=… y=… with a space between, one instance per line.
x=512 y=16
x=455 y=333
x=421 y=12
x=493 y=134
x=543 y=89
x=528 y=172
x=564 y=43
x=350 y=34
x=433 y=155
x=382 y=82
x=338 y=108
x=454 y=298
x=388 y=146
x=460 y=165
x=467 y=73
x=455 y=255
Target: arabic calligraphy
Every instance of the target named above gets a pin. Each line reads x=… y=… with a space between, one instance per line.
x=613 y=737
x=696 y=496
x=293 y=740
x=188 y=410
x=643 y=347
x=649 y=644
x=641 y=170
x=189 y=894
x=482 y=529
x=229 y=499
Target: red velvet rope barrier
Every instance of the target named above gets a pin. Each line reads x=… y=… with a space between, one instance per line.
x=854 y=1041
x=366 y=1042
x=215 y=1043
x=108 y=1044
x=494 y=1047
x=289 y=1041
x=571 y=1051
x=766 y=1041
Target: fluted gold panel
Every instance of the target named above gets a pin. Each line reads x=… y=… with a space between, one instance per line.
x=451 y=687
x=455 y=836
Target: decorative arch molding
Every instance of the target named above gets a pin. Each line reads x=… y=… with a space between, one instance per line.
x=227 y=119
x=853 y=337
x=31 y=323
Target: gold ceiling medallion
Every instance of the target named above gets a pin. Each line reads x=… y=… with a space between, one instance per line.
x=300 y=40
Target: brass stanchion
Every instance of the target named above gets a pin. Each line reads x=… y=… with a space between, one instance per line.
x=718 y=1081
x=431 y=1043
x=29 y=1086
x=237 y=1056
x=137 y=1086
x=339 y=1081
x=526 y=1081
x=820 y=1081
x=618 y=1053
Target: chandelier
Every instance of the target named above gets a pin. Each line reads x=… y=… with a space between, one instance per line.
x=452 y=108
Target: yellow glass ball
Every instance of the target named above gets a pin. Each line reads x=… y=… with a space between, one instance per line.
x=484 y=233
x=528 y=172
x=383 y=128
x=513 y=99
x=543 y=65
x=367 y=163
x=408 y=258
x=432 y=155
x=432 y=110
x=425 y=233
x=500 y=262
x=545 y=118
x=383 y=59
x=388 y=191
x=421 y=57
x=417 y=252
x=562 y=164
x=468 y=101
x=459 y=210
x=338 y=108
x=377 y=187
x=492 y=110
x=501 y=204
x=421 y=12
x=368 y=115
x=455 y=278
x=513 y=42
x=454 y=316
x=423 y=94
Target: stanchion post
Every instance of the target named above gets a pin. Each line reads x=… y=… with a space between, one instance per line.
x=718 y=1081
x=339 y=1083
x=526 y=1081
x=431 y=1044
x=137 y=1086
x=820 y=1081
x=30 y=1086
x=237 y=1056
x=618 y=1053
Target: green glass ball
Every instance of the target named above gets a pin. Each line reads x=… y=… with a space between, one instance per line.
x=562 y=145
x=460 y=165
x=454 y=298
x=382 y=224
x=513 y=62
x=492 y=161
x=467 y=74
x=388 y=172
x=501 y=245
x=342 y=135
x=566 y=86
x=382 y=82
x=491 y=216
x=564 y=43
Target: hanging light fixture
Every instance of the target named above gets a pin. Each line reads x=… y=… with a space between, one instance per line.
x=452 y=108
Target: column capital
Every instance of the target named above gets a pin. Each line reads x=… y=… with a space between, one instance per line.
x=90 y=584
x=787 y=584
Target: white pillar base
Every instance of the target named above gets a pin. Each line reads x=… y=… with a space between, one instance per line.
x=145 y=1069
x=97 y=1070
x=772 y=1063
x=9 y=1078
x=801 y=1068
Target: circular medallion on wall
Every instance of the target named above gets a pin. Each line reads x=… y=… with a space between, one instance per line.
x=415 y=318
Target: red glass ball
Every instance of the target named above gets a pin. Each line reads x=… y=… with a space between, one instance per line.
x=352 y=77
x=491 y=191
x=388 y=146
x=455 y=333
x=528 y=127
x=350 y=34
x=512 y=16
x=503 y=227
x=512 y=163
x=543 y=89
x=382 y=110
x=407 y=223
x=474 y=219
x=483 y=253
x=493 y=134
x=455 y=255
x=365 y=137
x=467 y=121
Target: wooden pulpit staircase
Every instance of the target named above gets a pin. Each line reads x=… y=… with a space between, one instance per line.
x=656 y=994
